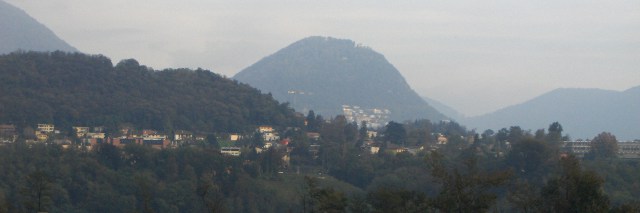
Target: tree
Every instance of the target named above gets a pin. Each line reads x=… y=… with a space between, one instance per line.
x=362 y=133
x=515 y=134
x=467 y=190
x=314 y=122
x=555 y=133
x=37 y=192
x=605 y=145
x=395 y=133
x=574 y=190
x=324 y=199
x=210 y=194
x=212 y=141
x=530 y=159
x=521 y=199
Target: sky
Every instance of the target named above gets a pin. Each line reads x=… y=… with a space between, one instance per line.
x=475 y=56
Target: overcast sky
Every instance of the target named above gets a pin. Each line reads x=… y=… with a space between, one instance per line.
x=476 y=56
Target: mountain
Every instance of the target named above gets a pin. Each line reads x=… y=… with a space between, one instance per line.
x=19 y=31
x=69 y=89
x=583 y=113
x=445 y=109
x=323 y=74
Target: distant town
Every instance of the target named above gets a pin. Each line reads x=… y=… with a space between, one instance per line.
x=86 y=138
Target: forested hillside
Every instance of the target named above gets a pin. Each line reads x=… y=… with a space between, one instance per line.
x=69 y=89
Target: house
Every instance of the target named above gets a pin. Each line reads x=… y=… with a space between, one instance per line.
x=65 y=143
x=230 y=151
x=314 y=149
x=267 y=145
x=46 y=128
x=90 y=143
x=286 y=160
x=7 y=129
x=374 y=149
x=8 y=133
x=149 y=132
x=96 y=135
x=442 y=140
x=235 y=137
x=121 y=142
x=578 y=148
x=181 y=136
x=157 y=143
x=200 y=138
x=265 y=129
x=313 y=136
x=80 y=131
x=285 y=142
x=415 y=150
x=98 y=129
x=629 y=149
x=155 y=136
x=270 y=136
x=372 y=134
x=42 y=136
x=126 y=130
x=395 y=149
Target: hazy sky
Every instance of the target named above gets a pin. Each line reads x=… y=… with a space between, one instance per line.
x=476 y=56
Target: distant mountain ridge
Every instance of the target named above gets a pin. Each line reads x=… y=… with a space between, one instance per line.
x=323 y=73
x=445 y=109
x=19 y=31
x=582 y=112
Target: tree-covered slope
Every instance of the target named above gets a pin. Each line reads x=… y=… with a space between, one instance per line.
x=322 y=74
x=76 y=89
x=19 y=31
x=582 y=112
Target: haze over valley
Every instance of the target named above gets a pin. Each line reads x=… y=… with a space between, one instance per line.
x=497 y=54
x=323 y=106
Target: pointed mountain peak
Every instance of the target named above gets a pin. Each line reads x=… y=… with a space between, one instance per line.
x=324 y=74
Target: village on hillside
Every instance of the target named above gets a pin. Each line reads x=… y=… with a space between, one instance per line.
x=230 y=144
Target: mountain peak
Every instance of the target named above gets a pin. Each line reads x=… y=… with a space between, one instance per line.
x=334 y=72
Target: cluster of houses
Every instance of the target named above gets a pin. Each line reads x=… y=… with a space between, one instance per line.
x=375 y=118
x=88 y=137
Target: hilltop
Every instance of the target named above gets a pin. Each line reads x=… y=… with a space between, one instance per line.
x=323 y=74
x=76 y=89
